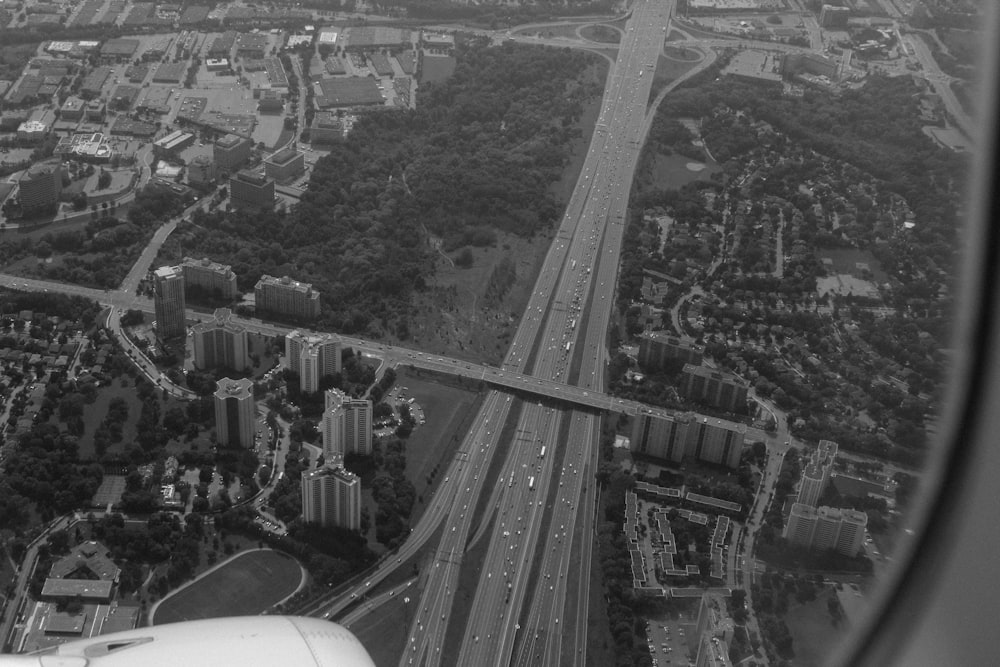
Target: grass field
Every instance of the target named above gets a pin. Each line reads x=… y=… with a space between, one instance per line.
x=845 y=260
x=384 y=633
x=670 y=69
x=225 y=591
x=671 y=171
x=436 y=68
x=549 y=31
x=682 y=53
x=601 y=33
x=449 y=410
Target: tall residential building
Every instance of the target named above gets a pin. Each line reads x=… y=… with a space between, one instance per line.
x=842 y=530
x=716 y=389
x=312 y=356
x=675 y=437
x=346 y=424
x=284 y=296
x=40 y=187
x=331 y=496
x=230 y=152
x=816 y=473
x=800 y=525
x=248 y=189
x=853 y=524
x=285 y=165
x=168 y=301
x=211 y=276
x=235 y=412
x=656 y=348
x=221 y=343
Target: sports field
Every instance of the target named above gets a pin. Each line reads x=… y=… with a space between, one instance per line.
x=244 y=586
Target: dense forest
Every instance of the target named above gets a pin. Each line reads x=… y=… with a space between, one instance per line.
x=478 y=154
x=874 y=128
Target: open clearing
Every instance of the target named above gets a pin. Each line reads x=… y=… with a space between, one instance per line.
x=448 y=409
x=675 y=171
x=436 y=68
x=225 y=591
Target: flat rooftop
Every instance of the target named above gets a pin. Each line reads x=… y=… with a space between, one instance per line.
x=349 y=91
x=284 y=156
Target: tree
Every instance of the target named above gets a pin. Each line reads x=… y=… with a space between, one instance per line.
x=103 y=179
x=465 y=258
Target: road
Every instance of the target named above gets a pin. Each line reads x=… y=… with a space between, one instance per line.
x=13 y=610
x=941 y=84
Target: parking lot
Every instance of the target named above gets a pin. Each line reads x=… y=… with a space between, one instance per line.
x=668 y=640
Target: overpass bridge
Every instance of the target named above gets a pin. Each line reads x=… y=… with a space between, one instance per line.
x=393 y=355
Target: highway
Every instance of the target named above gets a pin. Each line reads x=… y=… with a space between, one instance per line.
x=623 y=132
x=560 y=340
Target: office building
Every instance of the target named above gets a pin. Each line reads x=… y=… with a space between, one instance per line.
x=217 y=279
x=809 y=63
x=40 y=187
x=284 y=296
x=834 y=17
x=673 y=438
x=220 y=343
x=285 y=165
x=719 y=390
x=655 y=349
x=816 y=473
x=72 y=109
x=201 y=172
x=251 y=45
x=269 y=100
x=168 y=301
x=312 y=356
x=346 y=424
x=32 y=130
x=235 y=413
x=327 y=128
x=331 y=496
x=222 y=46
x=172 y=144
x=248 y=189
x=230 y=152
x=842 y=530
x=96 y=110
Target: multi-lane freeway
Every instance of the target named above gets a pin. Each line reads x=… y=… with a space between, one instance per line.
x=524 y=575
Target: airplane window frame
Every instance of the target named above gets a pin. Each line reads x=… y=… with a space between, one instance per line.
x=940 y=516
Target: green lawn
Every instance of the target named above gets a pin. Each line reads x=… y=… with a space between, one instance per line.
x=249 y=584
x=448 y=410
x=436 y=68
